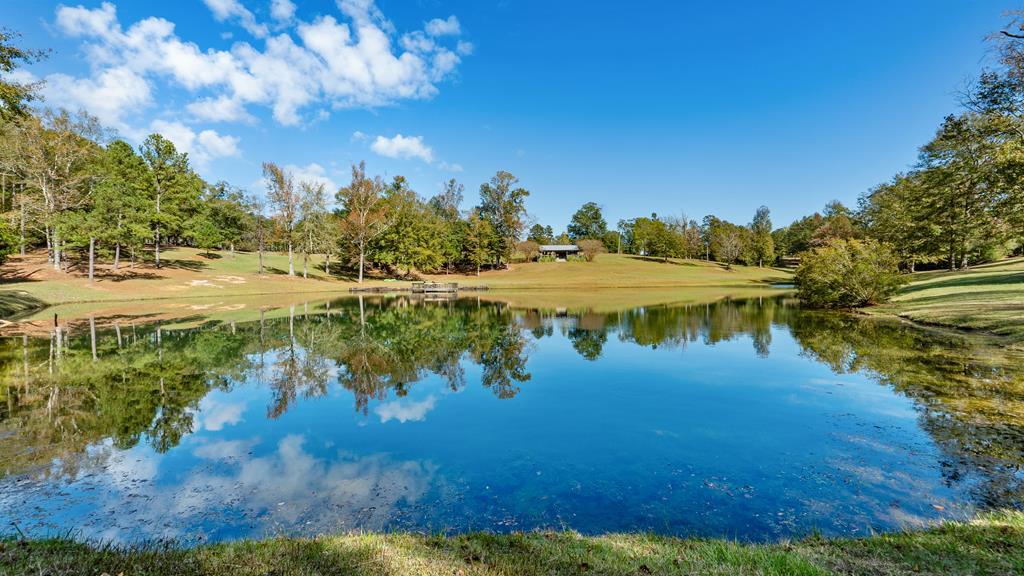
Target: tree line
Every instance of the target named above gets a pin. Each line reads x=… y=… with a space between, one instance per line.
x=69 y=186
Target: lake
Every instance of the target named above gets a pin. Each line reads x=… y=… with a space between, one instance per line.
x=749 y=419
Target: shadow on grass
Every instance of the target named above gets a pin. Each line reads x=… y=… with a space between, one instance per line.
x=664 y=261
x=15 y=276
x=966 y=279
x=193 y=265
x=14 y=302
x=123 y=274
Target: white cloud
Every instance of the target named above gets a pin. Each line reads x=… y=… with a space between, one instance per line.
x=403 y=147
x=282 y=10
x=233 y=9
x=216 y=145
x=325 y=63
x=405 y=411
x=313 y=173
x=109 y=95
x=358 y=136
x=202 y=147
x=447 y=27
x=445 y=166
x=220 y=109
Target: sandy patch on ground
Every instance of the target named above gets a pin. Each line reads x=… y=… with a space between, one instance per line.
x=230 y=279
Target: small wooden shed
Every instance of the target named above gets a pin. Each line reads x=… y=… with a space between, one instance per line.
x=559 y=251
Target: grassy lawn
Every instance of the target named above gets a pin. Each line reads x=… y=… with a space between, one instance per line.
x=991 y=544
x=188 y=273
x=987 y=298
x=622 y=271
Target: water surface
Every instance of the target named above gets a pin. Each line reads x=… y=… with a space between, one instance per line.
x=749 y=419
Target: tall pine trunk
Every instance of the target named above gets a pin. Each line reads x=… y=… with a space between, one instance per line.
x=117 y=255
x=56 y=249
x=92 y=258
x=22 y=197
x=291 y=260
x=362 y=260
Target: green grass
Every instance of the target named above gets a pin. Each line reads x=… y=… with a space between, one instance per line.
x=623 y=271
x=189 y=273
x=991 y=544
x=987 y=298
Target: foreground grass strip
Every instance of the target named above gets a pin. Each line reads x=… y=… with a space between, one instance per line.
x=991 y=544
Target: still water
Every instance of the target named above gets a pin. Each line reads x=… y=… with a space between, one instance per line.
x=749 y=419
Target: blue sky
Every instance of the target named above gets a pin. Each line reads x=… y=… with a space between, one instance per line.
x=666 y=107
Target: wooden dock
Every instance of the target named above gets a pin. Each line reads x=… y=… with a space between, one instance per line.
x=419 y=288
x=434 y=287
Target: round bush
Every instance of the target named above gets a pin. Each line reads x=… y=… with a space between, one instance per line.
x=848 y=274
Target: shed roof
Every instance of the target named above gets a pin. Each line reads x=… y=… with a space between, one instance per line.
x=558 y=247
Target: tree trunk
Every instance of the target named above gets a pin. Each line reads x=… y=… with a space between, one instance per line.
x=305 y=265
x=92 y=335
x=232 y=245
x=261 y=257
x=362 y=260
x=22 y=223
x=327 y=264
x=117 y=255
x=158 y=194
x=133 y=258
x=56 y=249
x=92 y=258
x=291 y=260
x=477 y=268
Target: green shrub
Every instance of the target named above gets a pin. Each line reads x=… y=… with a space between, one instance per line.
x=8 y=242
x=847 y=274
x=547 y=258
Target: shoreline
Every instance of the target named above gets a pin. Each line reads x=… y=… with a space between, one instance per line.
x=991 y=543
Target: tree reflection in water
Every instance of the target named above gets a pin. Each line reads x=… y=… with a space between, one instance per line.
x=130 y=381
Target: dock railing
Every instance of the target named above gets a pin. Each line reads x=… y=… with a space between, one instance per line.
x=433 y=287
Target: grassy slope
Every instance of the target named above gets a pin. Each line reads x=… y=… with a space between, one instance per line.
x=189 y=273
x=621 y=271
x=992 y=544
x=988 y=298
